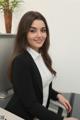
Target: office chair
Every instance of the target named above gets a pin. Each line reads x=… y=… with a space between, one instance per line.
x=60 y=109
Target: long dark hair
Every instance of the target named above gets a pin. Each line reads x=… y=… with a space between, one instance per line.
x=21 y=39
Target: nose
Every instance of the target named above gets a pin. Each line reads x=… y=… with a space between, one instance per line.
x=39 y=34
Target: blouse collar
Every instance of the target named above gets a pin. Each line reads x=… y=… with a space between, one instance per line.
x=33 y=53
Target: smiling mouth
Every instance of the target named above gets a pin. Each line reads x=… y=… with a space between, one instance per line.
x=38 y=41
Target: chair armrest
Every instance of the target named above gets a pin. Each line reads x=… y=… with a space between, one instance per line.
x=57 y=108
x=57 y=104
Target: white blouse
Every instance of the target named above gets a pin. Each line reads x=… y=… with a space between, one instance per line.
x=46 y=75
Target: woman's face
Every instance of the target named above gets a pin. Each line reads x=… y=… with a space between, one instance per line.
x=37 y=34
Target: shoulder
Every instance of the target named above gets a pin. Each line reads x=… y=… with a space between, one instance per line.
x=23 y=59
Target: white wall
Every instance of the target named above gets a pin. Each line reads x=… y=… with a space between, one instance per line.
x=63 y=17
x=66 y=44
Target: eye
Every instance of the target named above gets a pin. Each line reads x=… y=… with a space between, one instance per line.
x=43 y=30
x=32 y=30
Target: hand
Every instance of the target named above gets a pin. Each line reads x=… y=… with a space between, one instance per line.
x=70 y=118
x=64 y=102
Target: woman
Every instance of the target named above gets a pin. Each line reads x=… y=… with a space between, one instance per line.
x=31 y=71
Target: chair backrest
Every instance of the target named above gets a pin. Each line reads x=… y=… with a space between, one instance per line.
x=74 y=99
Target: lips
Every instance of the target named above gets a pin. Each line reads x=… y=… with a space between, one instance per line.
x=39 y=41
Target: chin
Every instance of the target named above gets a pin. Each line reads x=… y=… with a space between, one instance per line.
x=39 y=46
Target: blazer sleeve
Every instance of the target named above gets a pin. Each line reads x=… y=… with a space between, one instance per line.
x=53 y=93
x=23 y=87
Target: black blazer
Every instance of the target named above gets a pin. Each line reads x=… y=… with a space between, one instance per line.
x=28 y=91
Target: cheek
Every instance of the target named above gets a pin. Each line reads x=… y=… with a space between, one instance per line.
x=30 y=40
x=30 y=37
x=44 y=37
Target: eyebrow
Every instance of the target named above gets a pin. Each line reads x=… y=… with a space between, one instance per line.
x=35 y=27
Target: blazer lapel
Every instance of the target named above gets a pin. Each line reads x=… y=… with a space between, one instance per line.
x=36 y=72
x=38 y=77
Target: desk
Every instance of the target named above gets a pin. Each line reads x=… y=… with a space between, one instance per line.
x=6 y=115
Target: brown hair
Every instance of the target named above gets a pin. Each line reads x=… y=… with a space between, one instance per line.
x=21 y=39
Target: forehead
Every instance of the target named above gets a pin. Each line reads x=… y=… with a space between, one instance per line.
x=38 y=23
